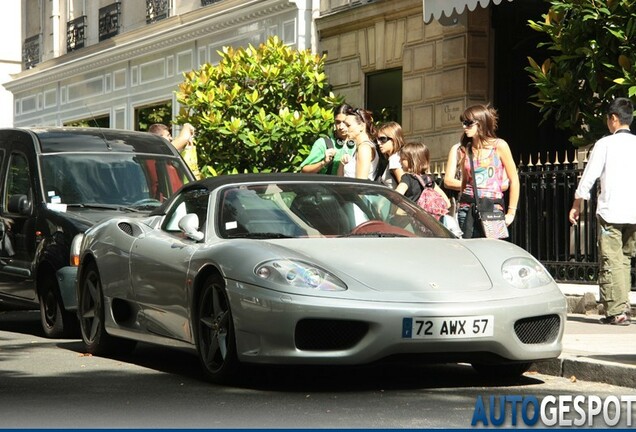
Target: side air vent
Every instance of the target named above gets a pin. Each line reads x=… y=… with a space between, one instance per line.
x=126 y=227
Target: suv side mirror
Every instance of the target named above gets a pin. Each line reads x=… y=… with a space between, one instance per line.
x=19 y=204
x=189 y=225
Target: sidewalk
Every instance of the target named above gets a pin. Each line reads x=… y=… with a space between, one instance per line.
x=593 y=351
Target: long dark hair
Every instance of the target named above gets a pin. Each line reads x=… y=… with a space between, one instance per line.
x=487 y=120
x=365 y=117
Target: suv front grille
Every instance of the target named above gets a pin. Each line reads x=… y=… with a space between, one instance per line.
x=537 y=330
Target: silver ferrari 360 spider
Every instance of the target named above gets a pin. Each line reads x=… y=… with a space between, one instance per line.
x=307 y=269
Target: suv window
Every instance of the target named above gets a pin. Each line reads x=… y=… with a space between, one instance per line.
x=113 y=179
x=18 y=178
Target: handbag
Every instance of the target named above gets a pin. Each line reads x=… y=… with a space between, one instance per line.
x=492 y=220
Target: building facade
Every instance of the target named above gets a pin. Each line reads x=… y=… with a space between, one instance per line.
x=10 y=61
x=420 y=62
x=108 y=59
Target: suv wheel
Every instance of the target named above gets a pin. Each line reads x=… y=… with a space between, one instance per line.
x=56 y=322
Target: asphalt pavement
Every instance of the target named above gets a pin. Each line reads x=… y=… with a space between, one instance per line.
x=593 y=351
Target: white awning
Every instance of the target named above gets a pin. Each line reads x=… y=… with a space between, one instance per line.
x=434 y=9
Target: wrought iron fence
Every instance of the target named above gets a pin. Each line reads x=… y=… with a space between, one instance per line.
x=542 y=228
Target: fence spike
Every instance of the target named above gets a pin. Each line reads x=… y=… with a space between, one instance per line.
x=539 y=160
x=565 y=161
x=530 y=161
x=547 y=159
x=556 y=158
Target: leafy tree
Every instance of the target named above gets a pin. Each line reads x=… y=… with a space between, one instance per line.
x=259 y=109
x=592 y=53
x=161 y=113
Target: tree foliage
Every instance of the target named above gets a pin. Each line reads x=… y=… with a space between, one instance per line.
x=592 y=52
x=257 y=110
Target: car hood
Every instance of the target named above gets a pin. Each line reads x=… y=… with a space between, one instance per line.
x=389 y=269
x=399 y=265
x=85 y=217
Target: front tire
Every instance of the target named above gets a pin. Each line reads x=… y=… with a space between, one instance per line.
x=216 y=342
x=91 y=312
x=56 y=322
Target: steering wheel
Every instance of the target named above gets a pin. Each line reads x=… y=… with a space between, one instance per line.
x=377 y=226
x=145 y=201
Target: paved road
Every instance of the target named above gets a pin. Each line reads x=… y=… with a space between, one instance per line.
x=53 y=384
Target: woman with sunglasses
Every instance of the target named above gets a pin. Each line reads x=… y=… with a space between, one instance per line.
x=363 y=164
x=494 y=169
x=390 y=141
x=326 y=152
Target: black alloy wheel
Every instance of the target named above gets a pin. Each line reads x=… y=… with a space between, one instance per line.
x=91 y=312
x=215 y=332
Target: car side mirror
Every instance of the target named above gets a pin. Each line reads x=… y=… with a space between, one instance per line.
x=19 y=204
x=189 y=225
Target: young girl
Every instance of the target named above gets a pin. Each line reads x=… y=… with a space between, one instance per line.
x=363 y=164
x=415 y=159
x=391 y=140
x=495 y=169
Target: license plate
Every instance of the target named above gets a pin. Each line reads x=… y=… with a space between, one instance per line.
x=448 y=328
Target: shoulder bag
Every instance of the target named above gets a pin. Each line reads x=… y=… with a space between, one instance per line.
x=492 y=220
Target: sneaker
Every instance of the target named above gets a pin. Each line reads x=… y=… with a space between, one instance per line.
x=621 y=320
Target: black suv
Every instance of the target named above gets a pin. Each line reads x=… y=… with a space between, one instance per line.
x=58 y=182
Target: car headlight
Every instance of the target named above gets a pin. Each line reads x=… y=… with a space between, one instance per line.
x=76 y=246
x=299 y=274
x=525 y=273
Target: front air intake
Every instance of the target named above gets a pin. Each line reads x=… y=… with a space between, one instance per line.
x=538 y=330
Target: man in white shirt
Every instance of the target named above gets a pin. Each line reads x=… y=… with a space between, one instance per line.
x=612 y=160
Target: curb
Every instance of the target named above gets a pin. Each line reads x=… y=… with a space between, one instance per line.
x=583 y=368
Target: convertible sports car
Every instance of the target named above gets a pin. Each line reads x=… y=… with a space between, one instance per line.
x=310 y=269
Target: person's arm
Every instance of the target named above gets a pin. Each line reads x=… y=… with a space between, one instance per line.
x=575 y=211
x=313 y=168
x=343 y=161
x=316 y=160
x=398 y=173
x=591 y=173
x=184 y=137
x=503 y=150
x=402 y=188
x=364 y=157
x=451 y=170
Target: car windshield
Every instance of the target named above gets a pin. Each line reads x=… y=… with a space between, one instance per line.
x=297 y=210
x=115 y=179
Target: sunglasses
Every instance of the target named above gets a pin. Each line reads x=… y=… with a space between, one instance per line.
x=468 y=123
x=384 y=139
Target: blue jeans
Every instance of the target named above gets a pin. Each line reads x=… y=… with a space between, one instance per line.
x=469 y=224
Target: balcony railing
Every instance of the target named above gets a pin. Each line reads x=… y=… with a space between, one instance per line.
x=156 y=10
x=109 y=21
x=76 y=34
x=31 y=52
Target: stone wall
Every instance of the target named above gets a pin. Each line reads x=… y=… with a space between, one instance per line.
x=445 y=68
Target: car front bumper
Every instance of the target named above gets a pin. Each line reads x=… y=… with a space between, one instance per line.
x=274 y=327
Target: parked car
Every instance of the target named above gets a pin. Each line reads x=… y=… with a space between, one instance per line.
x=57 y=182
x=310 y=269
